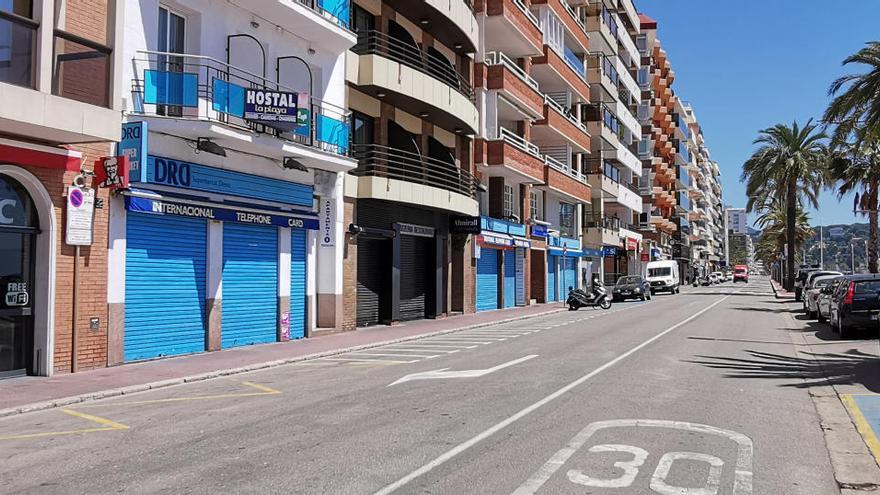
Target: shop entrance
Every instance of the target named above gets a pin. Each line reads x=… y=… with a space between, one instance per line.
x=18 y=228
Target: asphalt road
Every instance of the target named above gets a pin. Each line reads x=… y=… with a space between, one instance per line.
x=679 y=392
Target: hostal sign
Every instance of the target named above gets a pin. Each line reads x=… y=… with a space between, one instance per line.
x=278 y=109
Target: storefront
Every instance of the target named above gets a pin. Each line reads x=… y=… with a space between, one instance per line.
x=221 y=255
x=501 y=250
x=563 y=267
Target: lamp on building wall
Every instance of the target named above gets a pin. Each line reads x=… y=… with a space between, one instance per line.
x=291 y=163
x=482 y=187
x=208 y=146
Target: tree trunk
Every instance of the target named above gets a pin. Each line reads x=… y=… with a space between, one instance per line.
x=872 y=226
x=790 y=232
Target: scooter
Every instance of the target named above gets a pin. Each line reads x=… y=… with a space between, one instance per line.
x=579 y=298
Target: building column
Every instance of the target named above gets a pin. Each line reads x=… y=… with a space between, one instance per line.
x=330 y=250
x=214 y=290
x=116 y=243
x=283 y=304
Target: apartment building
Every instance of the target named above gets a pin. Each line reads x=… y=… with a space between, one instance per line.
x=412 y=202
x=661 y=149
x=237 y=134
x=60 y=101
x=615 y=170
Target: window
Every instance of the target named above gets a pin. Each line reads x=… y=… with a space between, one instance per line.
x=566 y=218
x=643 y=77
x=172 y=39
x=17 y=42
x=362 y=20
x=536 y=205
x=508 y=201
x=645 y=148
x=361 y=128
x=642 y=43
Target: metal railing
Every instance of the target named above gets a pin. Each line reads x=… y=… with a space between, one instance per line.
x=574 y=15
x=528 y=13
x=337 y=10
x=198 y=87
x=436 y=66
x=518 y=142
x=499 y=58
x=564 y=112
x=598 y=220
x=381 y=161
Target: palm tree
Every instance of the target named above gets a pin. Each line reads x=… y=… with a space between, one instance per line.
x=857 y=96
x=855 y=166
x=789 y=166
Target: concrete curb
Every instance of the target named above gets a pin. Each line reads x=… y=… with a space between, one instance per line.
x=855 y=468
x=132 y=389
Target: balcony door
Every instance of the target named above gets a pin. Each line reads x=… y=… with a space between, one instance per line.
x=172 y=39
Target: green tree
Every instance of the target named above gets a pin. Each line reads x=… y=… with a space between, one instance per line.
x=790 y=166
x=855 y=167
x=856 y=100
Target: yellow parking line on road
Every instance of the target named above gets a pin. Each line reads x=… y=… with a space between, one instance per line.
x=263 y=390
x=106 y=425
x=862 y=424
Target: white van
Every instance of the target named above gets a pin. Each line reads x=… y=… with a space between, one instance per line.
x=663 y=276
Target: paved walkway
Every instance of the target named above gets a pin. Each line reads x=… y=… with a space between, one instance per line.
x=781 y=293
x=28 y=393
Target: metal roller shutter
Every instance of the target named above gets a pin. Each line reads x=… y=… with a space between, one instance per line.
x=250 y=285
x=297 y=284
x=570 y=274
x=520 y=277
x=414 y=257
x=373 y=286
x=509 y=278
x=552 y=285
x=165 y=263
x=487 y=280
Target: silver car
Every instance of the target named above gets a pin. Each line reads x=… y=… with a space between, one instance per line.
x=826 y=299
x=812 y=290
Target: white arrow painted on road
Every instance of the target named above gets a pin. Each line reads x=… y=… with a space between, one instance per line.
x=442 y=373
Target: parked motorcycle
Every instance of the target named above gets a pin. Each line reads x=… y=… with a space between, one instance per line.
x=579 y=298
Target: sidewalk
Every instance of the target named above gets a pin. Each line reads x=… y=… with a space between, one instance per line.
x=27 y=394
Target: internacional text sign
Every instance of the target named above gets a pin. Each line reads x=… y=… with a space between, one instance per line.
x=164 y=207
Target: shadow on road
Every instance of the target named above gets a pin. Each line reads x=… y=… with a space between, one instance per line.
x=846 y=368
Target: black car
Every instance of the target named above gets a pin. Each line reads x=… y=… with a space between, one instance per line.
x=631 y=287
x=855 y=304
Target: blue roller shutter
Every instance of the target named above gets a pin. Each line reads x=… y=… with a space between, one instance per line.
x=250 y=284
x=165 y=263
x=570 y=274
x=552 y=284
x=509 y=278
x=297 y=283
x=487 y=280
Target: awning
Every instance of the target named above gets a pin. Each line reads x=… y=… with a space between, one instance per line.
x=155 y=203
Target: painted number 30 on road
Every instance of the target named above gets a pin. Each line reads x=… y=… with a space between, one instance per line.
x=636 y=458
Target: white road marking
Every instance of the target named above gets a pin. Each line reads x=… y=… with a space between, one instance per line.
x=419 y=349
x=439 y=346
x=356 y=360
x=742 y=484
x=713 y=480
x=458 y=449
x=630 y=468
x=443 y=374
x=384 y=354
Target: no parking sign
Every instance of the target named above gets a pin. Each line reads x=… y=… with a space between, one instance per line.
x=80 y=212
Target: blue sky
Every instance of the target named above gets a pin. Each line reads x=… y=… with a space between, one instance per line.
x=747 y=65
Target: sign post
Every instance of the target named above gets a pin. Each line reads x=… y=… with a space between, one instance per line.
x=78 y=232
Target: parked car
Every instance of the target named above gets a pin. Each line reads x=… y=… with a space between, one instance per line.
x=826 y=295
x=811 y=293
x=717 y=277
x=808 y=282
x=855 y=304
x=728 y=276
x=663 y=276
x=799 y=280
x=631 y=287
x=741 y=274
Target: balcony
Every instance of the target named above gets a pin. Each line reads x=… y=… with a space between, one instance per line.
x=626 y=157
x=324 y=22
x=602 y=21
x=682 y=203
x=555 y=74
x=603 y=75
x=681 y=127
x=509 y=79
x=575 y=28
x=565 y=180
x=510 y=27
x=514 y=158
x=403 y=176
x=415 y=80
x=683 y=180
x=603 y=176
x=209 y=96
x=558 y=125
x=601 y=229
x=602 y=123
x=71 y=104
x=451 y=22
x=682 y=156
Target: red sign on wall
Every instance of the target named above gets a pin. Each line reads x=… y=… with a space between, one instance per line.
x=112 y=172
x=646 y=257
x=632 y=244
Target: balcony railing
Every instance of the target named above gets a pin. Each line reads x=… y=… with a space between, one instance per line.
x=381 y=161
x=336 y=10
x=196 y=87
x=597 y=166
x=498 y=58
x=436 y=66
x=575 y=62
x=598 y=220
x=17 y=49
x=519 y=142
x=564 y=168
x=564 y=112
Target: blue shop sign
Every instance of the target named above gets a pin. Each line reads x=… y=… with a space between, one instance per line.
x=609 y=251
x=592 y=253
x=133 y=144
x=177 y=173
x=539 y=231
x=210 y=212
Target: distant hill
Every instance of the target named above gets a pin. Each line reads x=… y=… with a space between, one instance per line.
x=838 y=254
